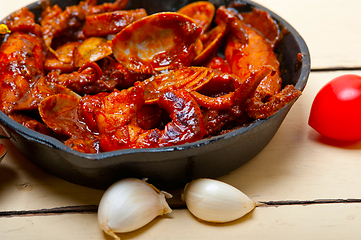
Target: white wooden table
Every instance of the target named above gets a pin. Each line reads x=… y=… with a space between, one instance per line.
x=315 y=184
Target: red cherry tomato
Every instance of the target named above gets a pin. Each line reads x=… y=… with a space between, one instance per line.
x=336 y=109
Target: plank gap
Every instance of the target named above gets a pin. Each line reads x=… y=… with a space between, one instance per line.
x=51 y=211
x=308 y=202
x=336 y=69
x=94 y=208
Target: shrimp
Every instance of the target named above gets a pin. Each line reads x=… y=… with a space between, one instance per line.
x=115 y=116
x=23 y=21
x=250 y=57
x=21 y=65
x=55 y=22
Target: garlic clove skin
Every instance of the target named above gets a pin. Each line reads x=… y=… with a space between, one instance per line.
x=130 y=204
x=215 y=201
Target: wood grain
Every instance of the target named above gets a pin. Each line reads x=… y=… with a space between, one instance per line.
x=324 y=221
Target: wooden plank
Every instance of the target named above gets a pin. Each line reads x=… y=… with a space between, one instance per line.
x=325 y=221
x=6 y=8
x=25 y=186
x=327 y=27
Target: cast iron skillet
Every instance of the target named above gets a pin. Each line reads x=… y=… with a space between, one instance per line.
x=169 y=167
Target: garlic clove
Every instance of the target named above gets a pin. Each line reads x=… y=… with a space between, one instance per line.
x=130 y=204
x=215 y=201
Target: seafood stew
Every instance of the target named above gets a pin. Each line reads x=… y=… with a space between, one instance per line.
x=144 y=96
x=103 y=78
